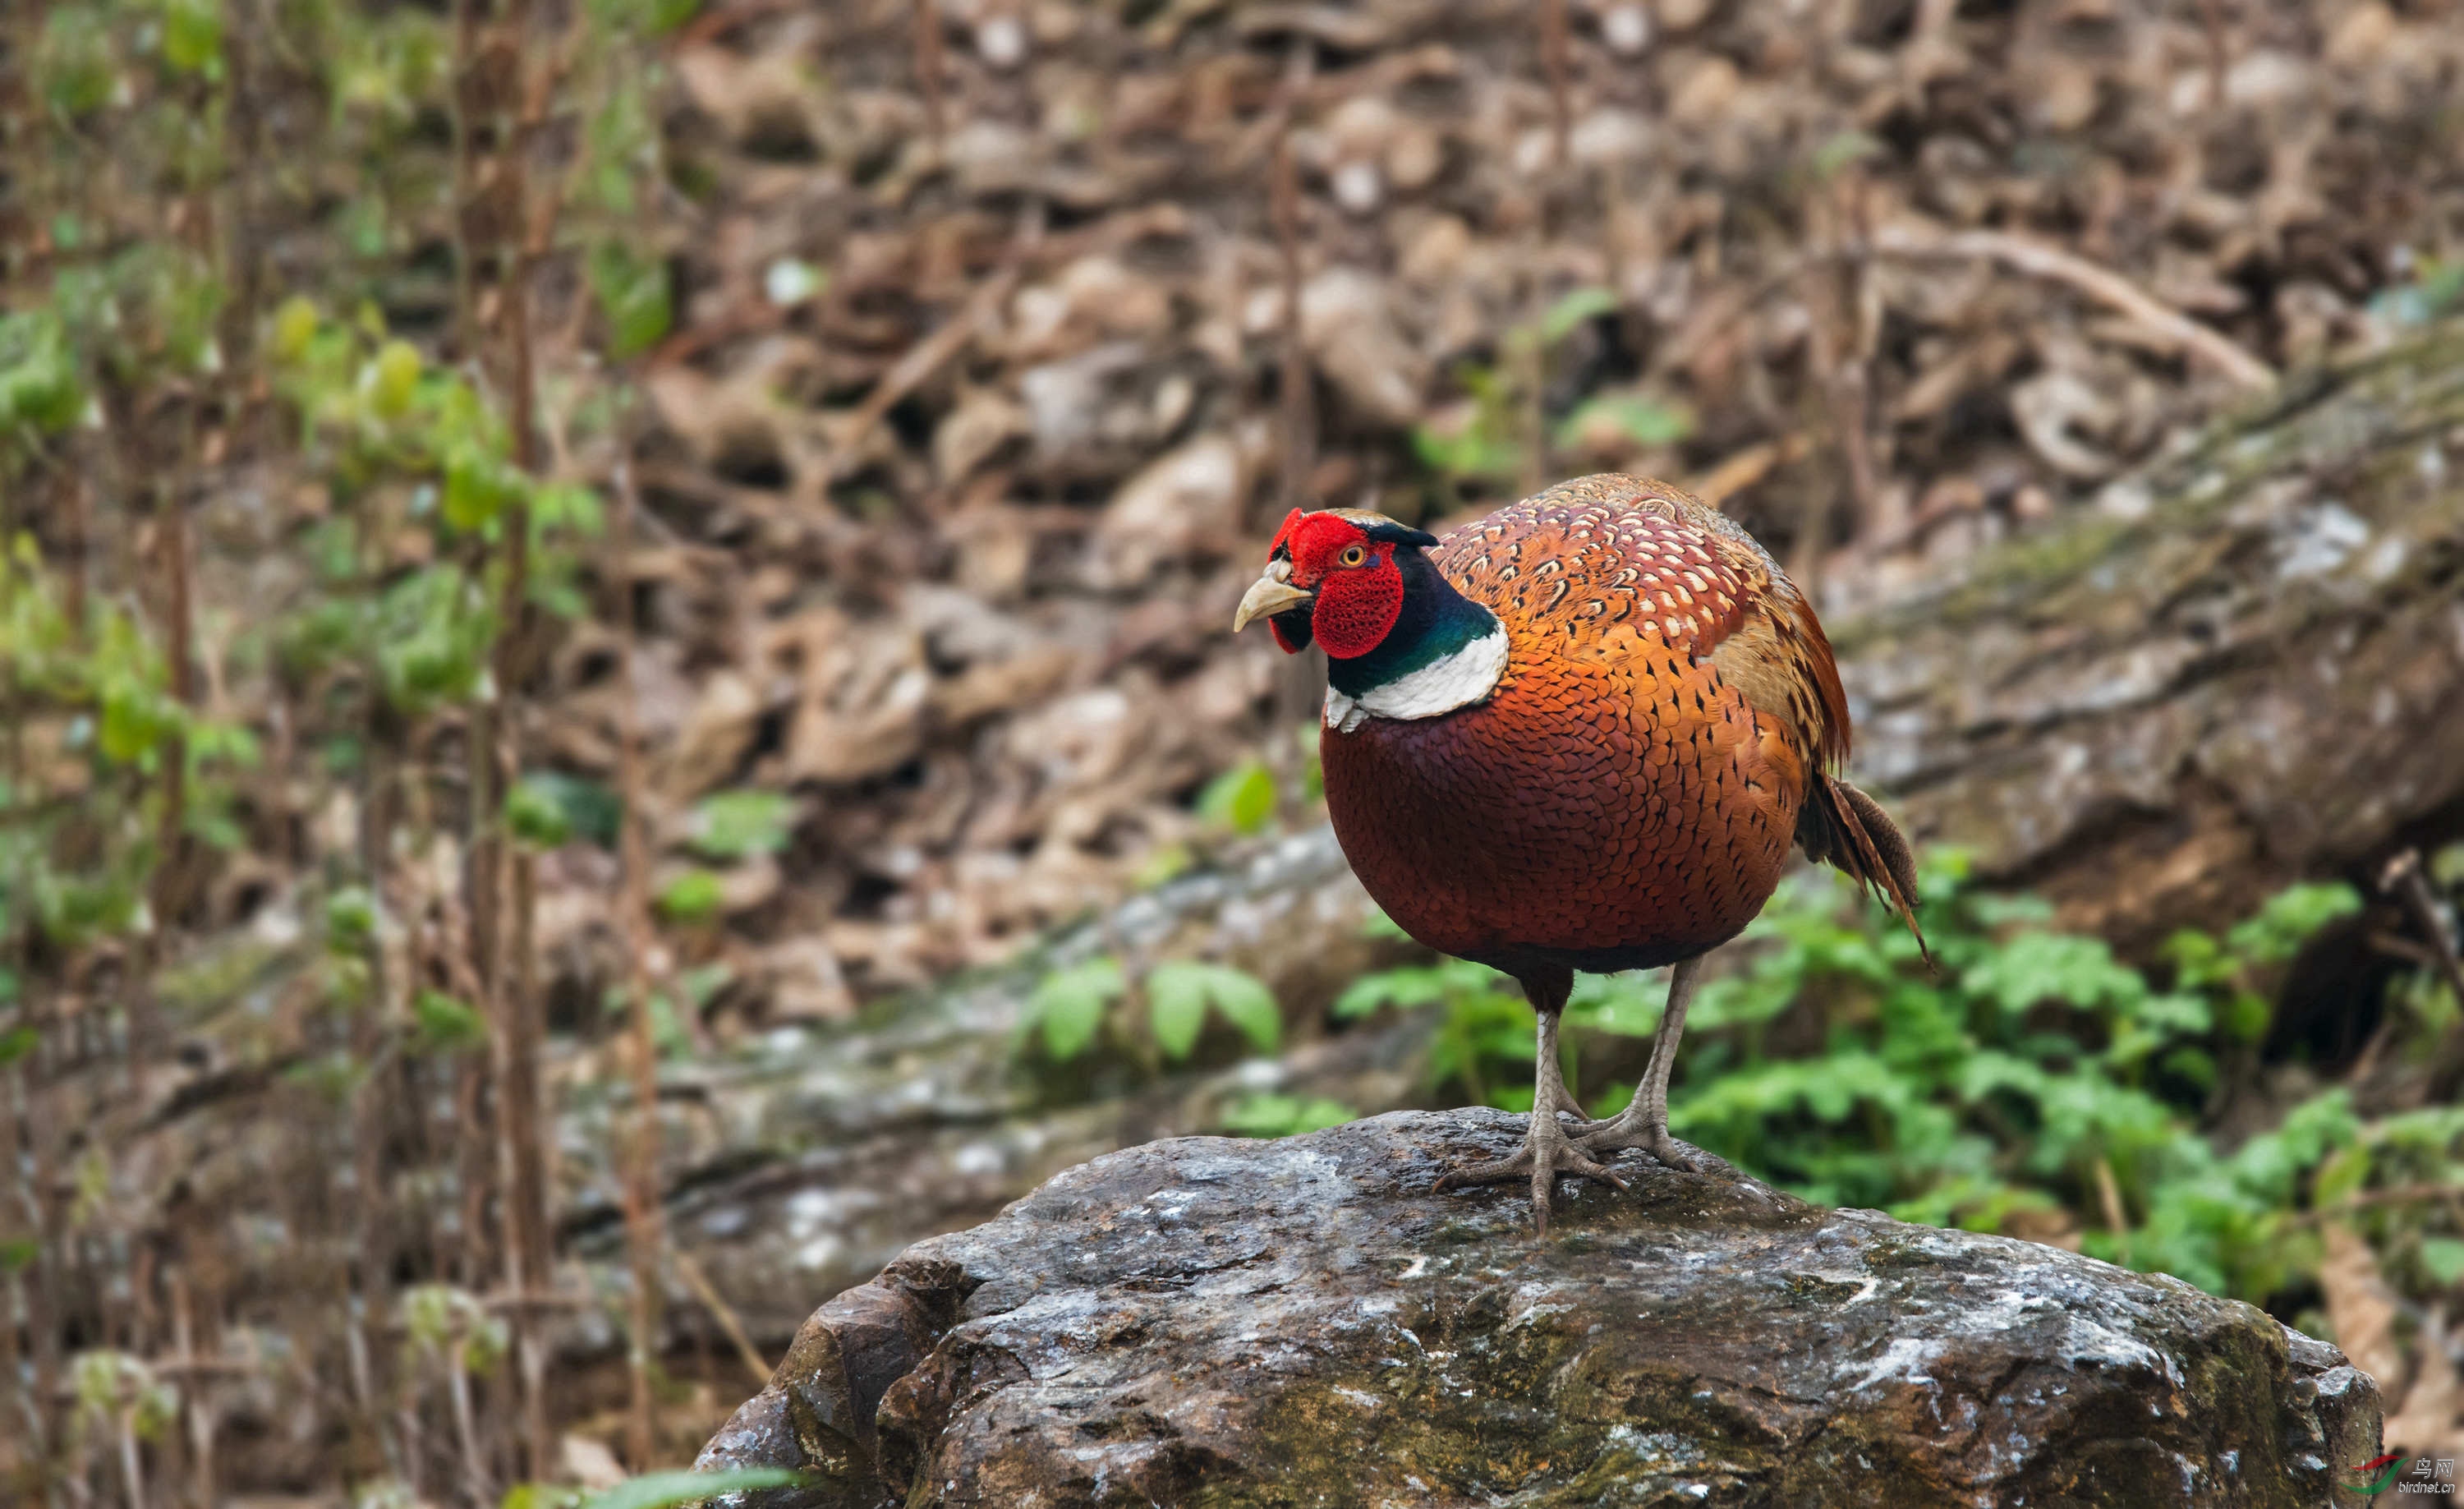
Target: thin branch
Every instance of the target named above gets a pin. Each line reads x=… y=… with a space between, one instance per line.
x=2099 y=283
x=1746 y=467
x=1283 y=205
x=926 y=19
x=643 y=1232
x=1556 y=58
x=728 y=1319
x=2403 y=880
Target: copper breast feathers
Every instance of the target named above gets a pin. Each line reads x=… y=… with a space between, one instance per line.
x=1627 y=794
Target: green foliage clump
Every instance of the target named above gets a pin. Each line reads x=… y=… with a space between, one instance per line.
x=738 y=825
x=1180 y=991
x=1070 y=1007
x=1284 y=1115
x=2035 y=1080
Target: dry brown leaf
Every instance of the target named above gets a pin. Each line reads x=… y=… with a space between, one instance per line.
x=2426 y=1424
x=2361 y=1308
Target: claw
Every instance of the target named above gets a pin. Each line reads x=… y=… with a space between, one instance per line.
x=1546 y=1154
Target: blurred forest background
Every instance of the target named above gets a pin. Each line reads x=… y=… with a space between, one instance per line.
x=617 y=698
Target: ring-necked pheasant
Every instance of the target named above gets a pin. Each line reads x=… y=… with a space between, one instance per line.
x=1578 y=734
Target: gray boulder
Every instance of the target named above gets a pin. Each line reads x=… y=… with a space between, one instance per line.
x=1234 y=1324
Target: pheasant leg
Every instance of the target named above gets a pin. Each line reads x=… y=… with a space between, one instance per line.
x=1547 y=1151
x=1644 y=1121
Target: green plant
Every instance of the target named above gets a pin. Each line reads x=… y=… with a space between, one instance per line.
x=1484 y=1027
x=1241 y=798
x=1069 y=1006
x=738 y=825
x=674 y=1490
x=2035 y=1078
x=1180 y=991
x=691 y=898
x=1284 y=1114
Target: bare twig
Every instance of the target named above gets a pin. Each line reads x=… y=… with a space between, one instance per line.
x=1833 y=286
x=2109 y=1196
x=2395 y=1194
x=643 y=1232
x=1555 y=50
x=1746 y=467
x=2403 y=880
x=2211 y=21
x=926 y=19
x=1284 y=196
x=502 y=882
x=2099 y=283
x=728 y=1319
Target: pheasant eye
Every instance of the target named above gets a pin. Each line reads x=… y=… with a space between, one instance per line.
x=1352 y=555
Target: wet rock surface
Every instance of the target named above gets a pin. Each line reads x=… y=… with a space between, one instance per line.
x=1301 y=1322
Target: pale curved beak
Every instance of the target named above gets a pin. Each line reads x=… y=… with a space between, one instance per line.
x=1266 y=597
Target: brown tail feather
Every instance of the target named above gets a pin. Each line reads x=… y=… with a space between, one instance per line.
x=1844 y=828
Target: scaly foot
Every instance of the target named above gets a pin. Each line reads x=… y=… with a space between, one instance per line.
x=1632 y=1128
x=1547 y=1153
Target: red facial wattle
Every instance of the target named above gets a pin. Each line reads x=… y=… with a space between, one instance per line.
x=1356 y=606
x=1359 y=588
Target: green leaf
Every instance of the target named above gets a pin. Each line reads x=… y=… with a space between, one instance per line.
x=692 y=897
x=392 y=378
x=587 y=807
x=294 y=327
x=1582 y=305
x=16 y=1043
x=1180 y=991
x=2053 y=967
x=2289 y=918
x=1645 y=421
x=536 y=816
x=1404 y=987
x=635 y=298
x=1070 y=1004
x=74 y=63
x=136 y=719
x=39 y=387
x=193 y=36
x=672 y=1489
x=350 y=921
x=2342 y=1176
x=735 y=825
x=1842 y=150
x=479 y=485
x=1241 y=798
x=2247 y=1017
x=445 y=1024
x=539 y=1496
x=1284 y=1115
x=1176 y=1010
x=2444 y=1257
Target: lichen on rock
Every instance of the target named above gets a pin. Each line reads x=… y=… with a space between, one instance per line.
x=1239 y=1323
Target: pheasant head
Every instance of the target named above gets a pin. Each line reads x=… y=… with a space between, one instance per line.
x=1400 y=641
